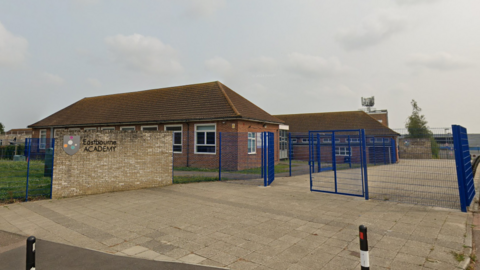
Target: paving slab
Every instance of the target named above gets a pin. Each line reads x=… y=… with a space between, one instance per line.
x=239 y=225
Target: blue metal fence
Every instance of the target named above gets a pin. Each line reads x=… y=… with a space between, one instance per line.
x=232 y=156
x=27 y=173
x=464 y=166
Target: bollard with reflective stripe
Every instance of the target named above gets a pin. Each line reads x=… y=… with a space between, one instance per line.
x=364 y=259
x=31 y=253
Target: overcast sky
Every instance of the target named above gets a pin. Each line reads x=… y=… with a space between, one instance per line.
x=284 y=56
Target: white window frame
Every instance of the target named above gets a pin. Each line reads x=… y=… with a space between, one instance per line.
x=254 y=138
x=90 y=129
x=176 y=131
x=150 y=127
x=195 y=139
x=345 y=154
x=337 y=140
x=354 y=140
x=122 y=128
x=40 y=139
x=378 y=140
x=327 y=140
x=294 y=140
x=55 y=131
x=108 y=128
x=304 y=140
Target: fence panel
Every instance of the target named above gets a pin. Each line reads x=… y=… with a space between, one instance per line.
x=464 y=166
x=229 y=156
x=298 y=154
x=270 y=157
x=28 y=174
x=416 y=171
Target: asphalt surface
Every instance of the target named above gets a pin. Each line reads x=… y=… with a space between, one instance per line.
x=55 y=256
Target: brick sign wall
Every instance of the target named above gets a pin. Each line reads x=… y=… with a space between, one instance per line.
x=108 y=161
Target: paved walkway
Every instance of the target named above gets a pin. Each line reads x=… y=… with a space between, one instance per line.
x=284 y=226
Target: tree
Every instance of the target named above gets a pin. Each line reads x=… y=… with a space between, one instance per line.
x=417 y=127
x=2 y=128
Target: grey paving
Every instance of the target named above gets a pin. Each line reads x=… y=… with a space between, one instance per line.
x=284 y=226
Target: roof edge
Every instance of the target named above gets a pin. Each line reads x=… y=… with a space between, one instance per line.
x=228 y=99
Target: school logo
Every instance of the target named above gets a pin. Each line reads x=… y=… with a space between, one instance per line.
x=71 y=144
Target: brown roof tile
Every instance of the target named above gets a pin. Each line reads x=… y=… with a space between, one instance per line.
x=335 y=121
x=205 y=101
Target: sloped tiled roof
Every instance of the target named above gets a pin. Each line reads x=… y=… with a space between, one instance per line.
x=205 y=101
x=335 y=121
x=19 y=131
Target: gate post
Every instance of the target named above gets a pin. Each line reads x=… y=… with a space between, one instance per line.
x=28 y=167
x=364 y=163
x=290 y=153
x=349 y=152
x=265 y=159
x=318 y=152
x=220 y=157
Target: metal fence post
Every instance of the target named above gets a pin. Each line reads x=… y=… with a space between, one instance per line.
x=53 y=157
x=364 y=157
x=220 y=157
x=265 y=160
x=334 y=160
x=318 y=151
x=349 y=152
x=28 y=167
x=384 y=152
x=290 y=153
x=30 y=253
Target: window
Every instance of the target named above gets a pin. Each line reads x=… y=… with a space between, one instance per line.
x=1 y=142
x=89 y=129
x=327 y=140
x=371 y=140
x=43 y=138
x=337 y=140
x=304 y=140
x=294 y=140
x=55 y=131
x=127 y=128
x=252 y=144
x=205 y=139
x=342 y=151
x=177 y=137
x=378 y=140
x=154 y=128
x=354 y=140
x=74 y=129
x=108 y=128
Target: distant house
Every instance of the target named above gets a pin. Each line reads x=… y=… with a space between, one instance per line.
x=14 y=136
x=194 y=113
x=379 y=137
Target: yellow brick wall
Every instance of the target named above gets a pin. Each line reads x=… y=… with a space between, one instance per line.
x=142 y=159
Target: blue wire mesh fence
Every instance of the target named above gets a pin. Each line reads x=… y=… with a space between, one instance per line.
x=27 y=172
x=298 y=154
x=209 y=156
x=418 y=166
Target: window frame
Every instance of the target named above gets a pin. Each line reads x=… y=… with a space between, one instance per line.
x=134 y=128
x=107 y=128
x=40 y=139
x=357 y=140
x=176 y=131
x=294 y=140
x=143 y=127
x=195 y=139
x=254 y=138
x=305 y=140
x=327 y=140
x=349 y=154
x=90 y=129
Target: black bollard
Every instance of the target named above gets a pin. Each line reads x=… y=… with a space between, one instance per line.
x=364 y=258
x=31 y=253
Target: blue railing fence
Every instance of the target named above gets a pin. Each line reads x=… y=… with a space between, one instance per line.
x=226 y=156
x=29 y=173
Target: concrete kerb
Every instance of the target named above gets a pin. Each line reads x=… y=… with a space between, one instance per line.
x=468 y=245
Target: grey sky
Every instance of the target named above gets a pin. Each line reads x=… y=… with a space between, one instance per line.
x=285 y=56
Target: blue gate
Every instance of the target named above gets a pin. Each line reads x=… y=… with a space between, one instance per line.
x=337 y=161
x=268 y=158
x=466 y=186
